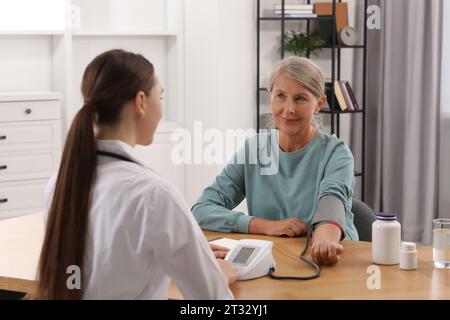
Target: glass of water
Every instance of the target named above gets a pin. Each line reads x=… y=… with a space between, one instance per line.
x=441 y=243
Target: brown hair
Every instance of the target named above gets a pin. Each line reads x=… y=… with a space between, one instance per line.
x=110 y=81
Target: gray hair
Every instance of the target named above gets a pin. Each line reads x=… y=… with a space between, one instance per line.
x=304 y=71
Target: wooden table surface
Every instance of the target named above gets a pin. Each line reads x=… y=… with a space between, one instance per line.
x=21 y=238
x=346 y=280
x=20 y=245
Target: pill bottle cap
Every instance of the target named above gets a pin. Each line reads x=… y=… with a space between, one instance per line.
x=386 y=216
x=408 y=246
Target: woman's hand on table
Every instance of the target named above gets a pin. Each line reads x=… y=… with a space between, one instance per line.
x=291 y=227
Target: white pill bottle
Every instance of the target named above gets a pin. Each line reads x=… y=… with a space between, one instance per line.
x=386 y=239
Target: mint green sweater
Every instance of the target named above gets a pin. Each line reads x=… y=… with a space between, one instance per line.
x=323 y=167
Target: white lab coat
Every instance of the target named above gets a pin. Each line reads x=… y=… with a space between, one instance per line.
x=141 y=235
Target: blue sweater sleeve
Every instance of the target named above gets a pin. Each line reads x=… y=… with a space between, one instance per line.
x=213 y=210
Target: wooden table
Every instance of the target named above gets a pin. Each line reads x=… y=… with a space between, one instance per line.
x=21 y=238
x=20 y=245
x=346 y=280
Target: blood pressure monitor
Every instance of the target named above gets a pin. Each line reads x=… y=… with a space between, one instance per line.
x=253 y=258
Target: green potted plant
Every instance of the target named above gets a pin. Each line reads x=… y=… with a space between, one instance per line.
x=303 y=44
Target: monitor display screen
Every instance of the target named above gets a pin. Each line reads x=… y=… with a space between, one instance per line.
x=243 y=255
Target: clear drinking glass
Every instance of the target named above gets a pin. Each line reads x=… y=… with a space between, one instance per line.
x=441 y=243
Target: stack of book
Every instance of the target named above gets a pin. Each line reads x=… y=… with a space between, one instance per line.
x=345 y=98
x=295 y=10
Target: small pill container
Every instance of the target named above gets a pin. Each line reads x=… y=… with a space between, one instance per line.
x=408 y=256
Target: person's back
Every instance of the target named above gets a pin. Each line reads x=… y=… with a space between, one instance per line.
x=126 y=229
x=138 y=224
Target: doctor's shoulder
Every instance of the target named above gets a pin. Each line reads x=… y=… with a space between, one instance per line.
x=156 y=190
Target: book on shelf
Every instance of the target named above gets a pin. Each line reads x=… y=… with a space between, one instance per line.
x=278 y=12
x=295 y=10
x=326 y=9
x=346 y=94
x=352 y=96
x=290 y=6
x=328 y=92
x=340 y=96
x=298 y=15
x=344 y=97
x=325 y=27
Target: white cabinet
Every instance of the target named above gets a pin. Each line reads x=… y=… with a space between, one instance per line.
x=30 y=148
x=40 y=57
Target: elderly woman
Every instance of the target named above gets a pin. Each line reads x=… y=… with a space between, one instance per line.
x=314 y=183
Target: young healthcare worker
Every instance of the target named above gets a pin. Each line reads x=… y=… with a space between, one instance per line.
x=127 y=230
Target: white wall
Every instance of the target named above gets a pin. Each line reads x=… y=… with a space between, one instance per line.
x=220 y=48
x=117 y=14
x=26 y=63
x=26 y=15
x=44 y=53
x=26 y=59
x=87 y=48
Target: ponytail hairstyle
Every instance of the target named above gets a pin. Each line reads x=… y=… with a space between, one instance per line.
x=110 y=81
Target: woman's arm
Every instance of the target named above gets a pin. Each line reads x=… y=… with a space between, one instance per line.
x=328 y=224
x=213 y=210
x=335 y=197
x=292 y=227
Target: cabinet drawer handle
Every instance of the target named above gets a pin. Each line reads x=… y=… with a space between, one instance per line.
x=2 y=137
x=4 y=200
x=3 y=167
x=28 y=111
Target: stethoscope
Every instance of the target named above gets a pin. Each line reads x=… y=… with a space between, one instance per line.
x=115 y=156
x=303 y=256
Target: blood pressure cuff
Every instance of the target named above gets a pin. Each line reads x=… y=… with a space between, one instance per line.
x=330 y=210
